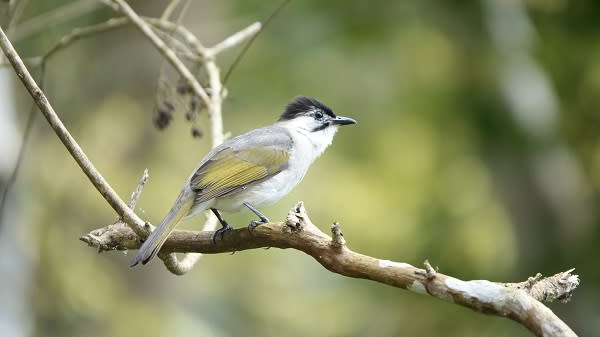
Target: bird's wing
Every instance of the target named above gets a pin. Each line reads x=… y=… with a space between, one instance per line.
x=241 y=162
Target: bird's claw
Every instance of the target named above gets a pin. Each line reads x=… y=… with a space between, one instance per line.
x=220 y=232
x=255 y=223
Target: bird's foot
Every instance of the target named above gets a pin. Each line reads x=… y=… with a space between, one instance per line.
x=255 y=223
x=220 y=232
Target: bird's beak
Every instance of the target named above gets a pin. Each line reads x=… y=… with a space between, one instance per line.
x=340 y=120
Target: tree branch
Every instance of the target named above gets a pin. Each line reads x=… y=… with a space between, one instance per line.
x=517 y=301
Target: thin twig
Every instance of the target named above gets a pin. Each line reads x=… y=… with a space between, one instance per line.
x=216 y=100
x=53 y=17
x=180 y=30
x=78 y=33
x=236 y=38
x=169 y=9
x=15 y=15
x=178 y=47
x=138 y=190
x=239 y=57
x=114 y=23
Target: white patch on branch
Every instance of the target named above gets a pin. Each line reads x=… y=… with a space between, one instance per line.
x=486 y=292
x=417 y=287
x=392 y=264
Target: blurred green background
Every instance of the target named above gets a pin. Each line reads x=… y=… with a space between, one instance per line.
x=477 y=148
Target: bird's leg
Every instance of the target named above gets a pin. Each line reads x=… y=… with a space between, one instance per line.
x=254 y=223
x=226 y=227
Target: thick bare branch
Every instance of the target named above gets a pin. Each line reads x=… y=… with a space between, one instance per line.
x=520 y=301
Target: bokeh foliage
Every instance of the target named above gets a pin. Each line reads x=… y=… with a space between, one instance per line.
x=438 y=167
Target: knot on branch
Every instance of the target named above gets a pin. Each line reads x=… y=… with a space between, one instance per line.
x=117 y=236
x=556 y=287
x=429 y=272
x=297 y=218
x=337 y=237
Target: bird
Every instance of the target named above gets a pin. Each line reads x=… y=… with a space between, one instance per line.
x=252 y=170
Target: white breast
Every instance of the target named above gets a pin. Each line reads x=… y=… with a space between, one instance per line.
x=307 y=147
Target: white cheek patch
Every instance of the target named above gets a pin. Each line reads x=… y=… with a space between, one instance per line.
x=301 y=123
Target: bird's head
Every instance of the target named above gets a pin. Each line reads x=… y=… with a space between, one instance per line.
x=309 y=115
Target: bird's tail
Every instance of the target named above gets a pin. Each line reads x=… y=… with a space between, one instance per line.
x=152 y=245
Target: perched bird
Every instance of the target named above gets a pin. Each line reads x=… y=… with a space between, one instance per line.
x=252 y=170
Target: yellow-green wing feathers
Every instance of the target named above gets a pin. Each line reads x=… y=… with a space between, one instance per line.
x=230 y=170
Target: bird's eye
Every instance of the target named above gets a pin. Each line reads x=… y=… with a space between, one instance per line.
x=318 y=115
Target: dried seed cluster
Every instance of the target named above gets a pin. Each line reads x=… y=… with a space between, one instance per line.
x=181 y=96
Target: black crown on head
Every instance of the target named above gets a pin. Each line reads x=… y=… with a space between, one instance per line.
x=301 y=105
